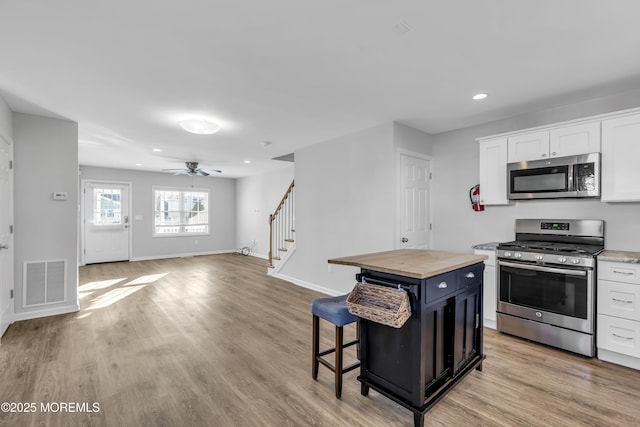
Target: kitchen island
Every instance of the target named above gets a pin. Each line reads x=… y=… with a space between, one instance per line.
x=441 y=342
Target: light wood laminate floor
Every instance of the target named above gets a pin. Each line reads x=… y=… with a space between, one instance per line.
x=214 y=341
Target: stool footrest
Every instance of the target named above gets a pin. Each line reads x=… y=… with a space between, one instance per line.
x=333 y=368
x=350 y=367
x=332 y=350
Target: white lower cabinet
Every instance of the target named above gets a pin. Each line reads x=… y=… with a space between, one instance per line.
x=489 y=279
x=618 y=321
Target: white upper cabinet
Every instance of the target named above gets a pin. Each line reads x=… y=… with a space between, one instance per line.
x=620 y=158
x=563 y=141
x=573 y=140
x=493 y=172
x=530 y=146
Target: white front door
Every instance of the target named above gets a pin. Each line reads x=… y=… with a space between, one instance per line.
x=106 y=221
x=6 y=237
x=415 y=228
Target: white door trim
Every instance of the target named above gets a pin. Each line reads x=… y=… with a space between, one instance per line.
x=83 y=183
x=398 y=232
x=9 y=315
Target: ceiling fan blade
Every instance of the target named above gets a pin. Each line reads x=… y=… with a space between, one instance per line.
x=201 y=172
x=210 y=171
x=182 y=172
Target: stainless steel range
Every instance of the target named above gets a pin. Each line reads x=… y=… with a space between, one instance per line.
x=546 y=282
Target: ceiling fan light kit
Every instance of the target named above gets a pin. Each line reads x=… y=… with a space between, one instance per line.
x=199 y=126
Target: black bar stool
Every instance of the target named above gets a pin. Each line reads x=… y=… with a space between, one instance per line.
x=333 y=310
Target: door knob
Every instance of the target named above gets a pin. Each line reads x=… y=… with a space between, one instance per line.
x=405 y=240
x=4 y=246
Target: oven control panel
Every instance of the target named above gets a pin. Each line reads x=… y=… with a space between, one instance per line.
x=539 y=258
x=560 y=226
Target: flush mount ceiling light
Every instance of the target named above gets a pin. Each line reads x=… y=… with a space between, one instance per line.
x=199 y=126
x=479 y=96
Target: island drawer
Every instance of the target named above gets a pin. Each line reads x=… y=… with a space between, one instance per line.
x=471 y=275
x=441 y=286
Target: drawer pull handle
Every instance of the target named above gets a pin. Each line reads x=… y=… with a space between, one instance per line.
x=622 y=300
x=442 y=285
x=470 y=275
x=626 y=273
x=624 y=338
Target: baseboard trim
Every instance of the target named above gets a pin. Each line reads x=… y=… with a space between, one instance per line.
x=308 y=285
x=263 y=256
x=185 y=255
x=26 y=315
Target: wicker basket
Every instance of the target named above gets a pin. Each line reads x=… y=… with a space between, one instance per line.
x=379 y=304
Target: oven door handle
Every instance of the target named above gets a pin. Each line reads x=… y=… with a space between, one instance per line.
x=568 y=272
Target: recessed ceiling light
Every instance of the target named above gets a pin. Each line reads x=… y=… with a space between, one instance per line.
x=199 y=126
x=401 y=28
x=247 y=161
x=157 y=150
x=479 y=96
x=138 y=164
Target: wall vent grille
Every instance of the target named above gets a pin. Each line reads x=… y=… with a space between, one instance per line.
x=44 y=282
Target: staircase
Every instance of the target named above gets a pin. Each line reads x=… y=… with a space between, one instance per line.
x=282 y=230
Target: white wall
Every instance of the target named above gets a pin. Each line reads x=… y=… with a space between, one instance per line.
x=6 y=121
x=345 y=205
x=45 y=161
x=258 y=196
x=457 y=227
x=222 y=204
x=411 y=139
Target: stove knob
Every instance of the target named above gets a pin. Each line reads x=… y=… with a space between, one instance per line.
x=539 y=257
x=575 y=260
x=562 y=259
x=517 y=255
x=507 y=254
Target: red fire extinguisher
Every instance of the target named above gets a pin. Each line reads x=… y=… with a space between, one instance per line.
x=474 y=196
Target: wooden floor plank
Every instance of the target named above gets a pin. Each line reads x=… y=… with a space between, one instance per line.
x=213 y=340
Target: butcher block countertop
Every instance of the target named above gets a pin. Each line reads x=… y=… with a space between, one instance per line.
x=416 y=263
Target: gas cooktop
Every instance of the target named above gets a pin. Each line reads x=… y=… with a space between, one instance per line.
x=571 y=242
x=551 y=247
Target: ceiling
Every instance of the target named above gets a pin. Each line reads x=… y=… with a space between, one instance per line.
x=280 y=75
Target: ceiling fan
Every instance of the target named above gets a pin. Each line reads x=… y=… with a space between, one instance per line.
x=193 y=169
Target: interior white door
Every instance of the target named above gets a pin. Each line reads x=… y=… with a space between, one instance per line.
x=106 y=221
x=415 y=229
x=6 y=236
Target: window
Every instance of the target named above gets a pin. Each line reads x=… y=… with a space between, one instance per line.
x=180 y=212
x=107 y=208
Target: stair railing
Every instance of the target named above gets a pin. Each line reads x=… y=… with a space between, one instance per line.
x=281 y=225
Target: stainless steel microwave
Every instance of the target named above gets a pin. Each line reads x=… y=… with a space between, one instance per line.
x=560 y=177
